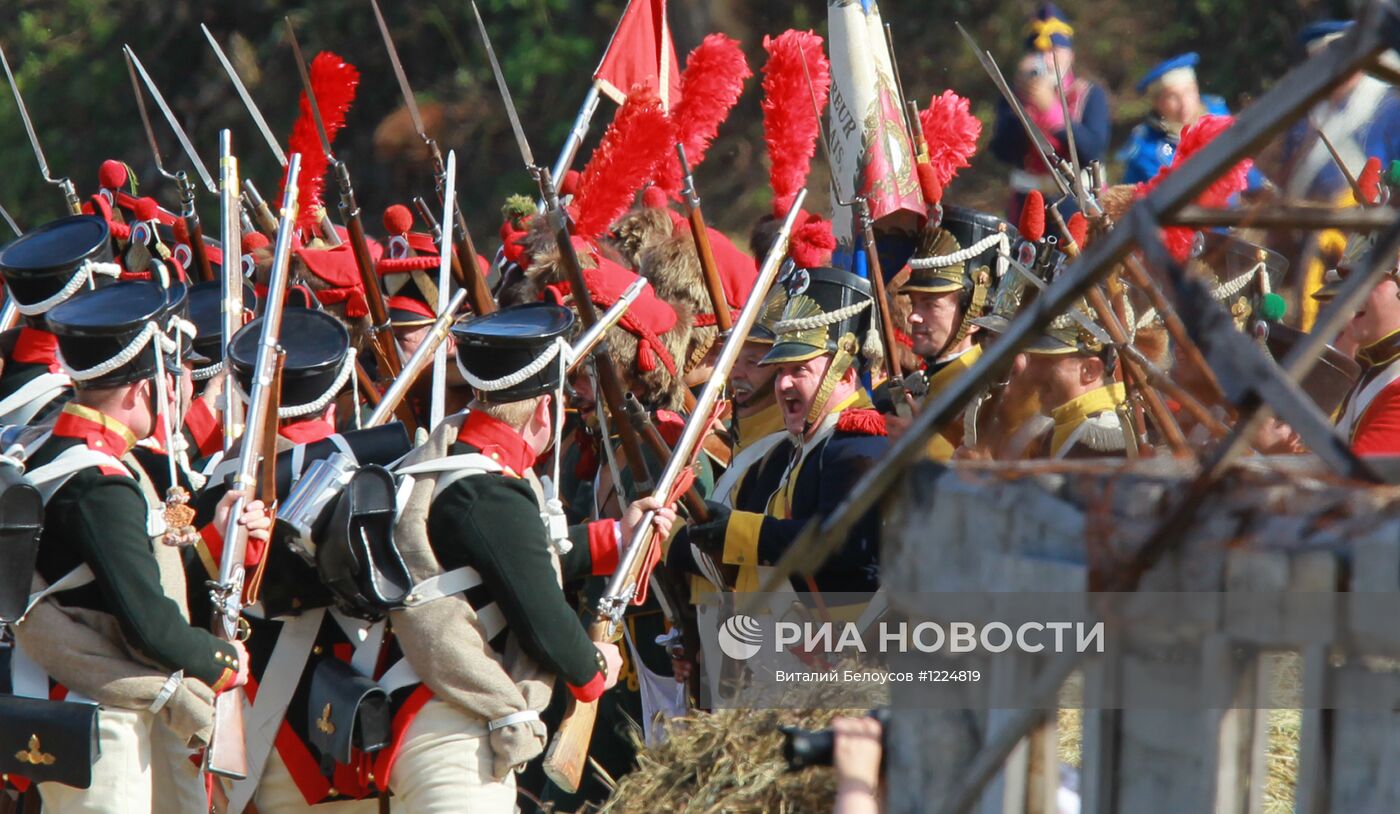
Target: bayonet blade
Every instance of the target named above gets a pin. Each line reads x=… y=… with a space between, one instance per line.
x=1042 y=146
x=1078 y=184
x=174 y=123
x=24 y=115
x=146 y=119
x=310 y=92
x=9 y=221
x=505 y=91
x=247 y=99
x=407 y=91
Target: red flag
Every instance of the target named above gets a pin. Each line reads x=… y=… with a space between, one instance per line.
x=641 y=52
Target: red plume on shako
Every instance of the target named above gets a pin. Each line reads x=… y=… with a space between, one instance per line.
x=334 y=80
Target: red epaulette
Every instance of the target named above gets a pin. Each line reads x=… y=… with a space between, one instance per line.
x=861 y=422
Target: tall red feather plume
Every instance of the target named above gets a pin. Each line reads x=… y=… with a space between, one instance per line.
x=634 y=144
x=711 y=85
x=1033 y=217
x=789 y=124
x=951 y=132
x=1194 y=138
x=334 y=81
x=1370 y=181
x=812 y=244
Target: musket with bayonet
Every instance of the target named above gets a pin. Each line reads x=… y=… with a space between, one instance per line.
x=464 y=268
x=1069 y=179
x=563 y=763
x=231 y=276
x=255 y=201
x=382 y=336
x=609 y=380
x=65 y=185
x=188 y=213
x=226 y=756
x=894 y=372
x=690 y=196
x=266 y=220
x=9 y=312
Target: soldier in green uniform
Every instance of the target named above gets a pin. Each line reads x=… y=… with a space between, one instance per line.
x=108 y=560
x=487 y=628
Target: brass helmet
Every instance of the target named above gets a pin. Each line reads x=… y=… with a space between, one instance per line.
x=965 y=251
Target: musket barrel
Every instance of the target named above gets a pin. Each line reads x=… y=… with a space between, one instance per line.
x=699 y=422
x=417 y=363
x=701 y=235
x=232 y=270
x=226 y=755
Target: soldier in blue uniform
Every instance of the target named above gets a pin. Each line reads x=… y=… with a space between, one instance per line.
x=1176 y=104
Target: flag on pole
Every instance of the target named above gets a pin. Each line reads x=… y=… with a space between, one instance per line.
x=641 y=52
x=869 y=138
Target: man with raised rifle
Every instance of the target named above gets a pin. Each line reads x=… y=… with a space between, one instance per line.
x=648 y=348
x=113 y=625
x=836 y=435
x=487 y=627
x=293 y=626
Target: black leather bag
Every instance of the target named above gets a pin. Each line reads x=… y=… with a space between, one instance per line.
x=347 y=711
x=358 y=560
x=48 y=741
x=21 y=523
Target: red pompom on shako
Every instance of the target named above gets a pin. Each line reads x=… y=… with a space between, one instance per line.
x=812 y=244
x=113 y=174
x=397 y=220
x=252 y=241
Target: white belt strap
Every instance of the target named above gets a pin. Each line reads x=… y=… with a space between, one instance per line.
x=451 y=468
x=50 y=477
x=446 y=584
x=77 y=578
x=399 y=676
x=22 y=405
x=514 y=718
x=279 y=681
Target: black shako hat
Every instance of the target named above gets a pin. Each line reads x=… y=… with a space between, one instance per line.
x=317 y=366
x=493 y=350
x=43 y=263
x=822 y=305
x=95 y=329
x=206 y=311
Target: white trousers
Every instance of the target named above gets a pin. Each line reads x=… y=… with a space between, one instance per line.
x=444 y=766
x=278 y=794
x=143 y=768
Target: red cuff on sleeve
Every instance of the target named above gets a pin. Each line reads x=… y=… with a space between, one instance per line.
x=602 y=546
x=204 y=427
x=591 y=691
x=213 y=538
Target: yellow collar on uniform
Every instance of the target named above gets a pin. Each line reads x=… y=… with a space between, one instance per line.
x=1382 y=352
x=761 y=424
x=952 y=369
x=1073 y=412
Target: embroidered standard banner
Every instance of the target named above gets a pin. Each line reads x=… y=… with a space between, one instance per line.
x=869 y=140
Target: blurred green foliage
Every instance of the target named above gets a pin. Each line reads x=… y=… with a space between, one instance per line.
x=67 y=58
